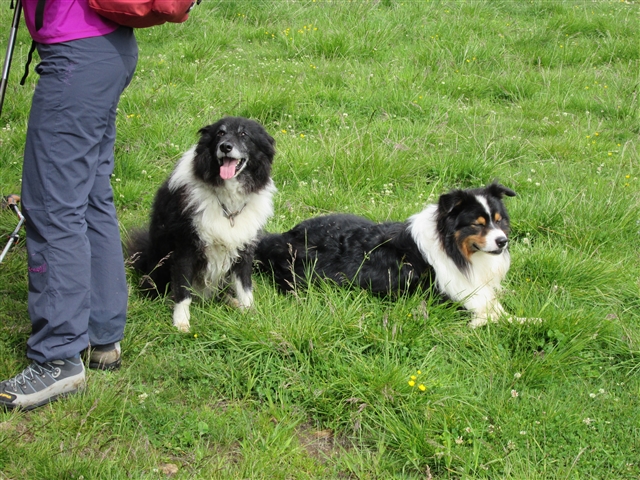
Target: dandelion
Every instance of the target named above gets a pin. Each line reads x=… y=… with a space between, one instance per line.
x=283 y=131
x=412 y=383
x=413 y=377
x=419 y=372
x=422 y=387
x=514 y=393
x=195 y=335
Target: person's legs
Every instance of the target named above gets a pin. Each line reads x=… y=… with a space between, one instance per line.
x=72 y=115
x=67 y=201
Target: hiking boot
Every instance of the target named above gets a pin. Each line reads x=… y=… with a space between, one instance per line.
x=42 y=383
x=105 y=357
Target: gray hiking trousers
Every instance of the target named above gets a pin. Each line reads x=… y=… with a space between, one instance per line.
x=77 y=284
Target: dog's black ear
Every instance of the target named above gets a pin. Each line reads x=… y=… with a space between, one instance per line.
x=207 y=131
x=272 y=140
x=449 y=201
x=268 y=146
x=499 y=191
x=206 y=134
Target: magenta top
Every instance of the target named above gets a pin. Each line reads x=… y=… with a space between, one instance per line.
x=65 y=20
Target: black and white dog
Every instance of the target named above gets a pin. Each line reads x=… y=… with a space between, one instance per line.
x=207 y=216
x=459 y=245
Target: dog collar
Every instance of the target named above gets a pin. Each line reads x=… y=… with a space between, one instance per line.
x=229 y=215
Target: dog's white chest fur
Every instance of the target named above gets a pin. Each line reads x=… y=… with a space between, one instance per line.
x=225 y=218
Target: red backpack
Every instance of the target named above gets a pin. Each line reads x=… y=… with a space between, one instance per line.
x=143 y=13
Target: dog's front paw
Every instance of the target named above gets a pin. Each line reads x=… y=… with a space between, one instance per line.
x=478 y=321
x=235 y=303
x=242 y=301
x=232 y=302
x=181 y=315
x=182 y=325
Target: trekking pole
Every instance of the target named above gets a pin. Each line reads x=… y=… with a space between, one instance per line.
x=12 y=202
x=7 y=61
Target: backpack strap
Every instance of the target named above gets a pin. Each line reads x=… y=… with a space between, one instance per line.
x=39 y=20
x=29 y=58
x=39 y=14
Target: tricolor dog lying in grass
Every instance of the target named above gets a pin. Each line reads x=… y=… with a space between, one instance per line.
x=458 y=245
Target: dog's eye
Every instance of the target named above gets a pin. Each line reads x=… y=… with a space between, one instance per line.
x=243 y=134
x=220 y=133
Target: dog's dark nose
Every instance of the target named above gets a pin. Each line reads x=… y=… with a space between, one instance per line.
x=501 y=242
x=225 y=147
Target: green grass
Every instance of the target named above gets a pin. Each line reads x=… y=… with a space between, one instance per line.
x=377 y=107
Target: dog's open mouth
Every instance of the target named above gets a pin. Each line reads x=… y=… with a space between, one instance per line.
x=230 y=167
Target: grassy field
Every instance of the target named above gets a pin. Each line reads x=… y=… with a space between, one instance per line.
x=377 y=107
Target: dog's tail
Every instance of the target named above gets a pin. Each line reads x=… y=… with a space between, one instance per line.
x=137 y=248
x=154 y=276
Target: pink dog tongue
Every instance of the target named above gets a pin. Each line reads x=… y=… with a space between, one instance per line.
x=228 y=168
